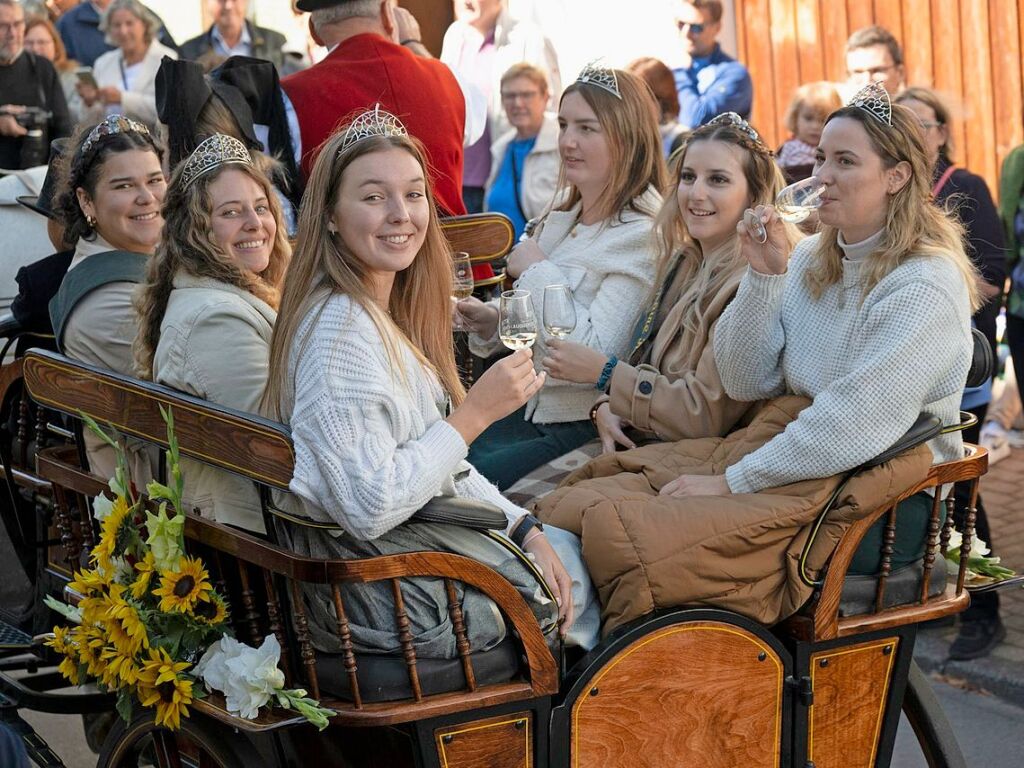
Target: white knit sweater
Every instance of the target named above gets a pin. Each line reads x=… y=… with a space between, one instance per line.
x=610 y=267
x=370 y=447
x=871 y=366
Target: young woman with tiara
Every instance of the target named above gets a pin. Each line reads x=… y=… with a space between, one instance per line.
x=668 y=388
x=216 y=277
x=362 y=370
x=598 y=242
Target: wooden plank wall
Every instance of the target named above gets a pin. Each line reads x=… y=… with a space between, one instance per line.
x=969 y=50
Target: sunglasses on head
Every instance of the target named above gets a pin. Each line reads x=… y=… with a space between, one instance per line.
x=685 y=26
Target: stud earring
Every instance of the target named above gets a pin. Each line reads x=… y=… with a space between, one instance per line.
x=91 y=221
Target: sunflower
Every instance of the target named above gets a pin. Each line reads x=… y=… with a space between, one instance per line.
x=145 y=569
x=213 y=611
x=161 y=685
x=181 y=589
x=90 y=643
x=89 y=582
x=127 y=630
x=121 y=669
x=62 y=643
x=103 y=553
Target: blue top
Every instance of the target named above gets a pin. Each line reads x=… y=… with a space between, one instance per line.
x=504 y=194
x=80 y=30
x=712 y=85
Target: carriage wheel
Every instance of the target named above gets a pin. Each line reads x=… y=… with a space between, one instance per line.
x=198 y=744
x=934 y=733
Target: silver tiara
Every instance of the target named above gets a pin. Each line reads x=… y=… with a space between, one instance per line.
x=212 y=153
x=874 y=100
x=373 y=122
x=731 y=118
x=111 y=126
x=602 y=77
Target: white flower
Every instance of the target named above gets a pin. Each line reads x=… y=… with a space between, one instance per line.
x=979 y=548
x=102 y=507
x=247 y=677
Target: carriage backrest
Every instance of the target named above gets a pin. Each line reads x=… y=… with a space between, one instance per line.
x=484 y=236
x=241 y=443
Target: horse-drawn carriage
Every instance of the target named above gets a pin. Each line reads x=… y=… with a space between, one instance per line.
x=687 y=686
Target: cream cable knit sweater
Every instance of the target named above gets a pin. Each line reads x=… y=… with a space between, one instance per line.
x=610 y=268
x=370 y=448
x=872 y=366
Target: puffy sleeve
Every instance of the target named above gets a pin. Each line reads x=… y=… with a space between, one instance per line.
x=350 y=408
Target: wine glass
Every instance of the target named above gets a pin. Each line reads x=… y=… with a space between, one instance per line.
x=517 y=326
x=794 y=204
x=462 y=280
x=559 y=311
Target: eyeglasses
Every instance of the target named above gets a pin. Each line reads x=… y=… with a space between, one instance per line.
x=511 y=96
x=5 y=28
x=871 y=71
x=685 y=26
x=926 y=124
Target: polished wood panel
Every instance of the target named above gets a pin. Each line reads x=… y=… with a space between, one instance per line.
x=484 y=236
x=719 y=687
x=969 y=50
x=505 y=741
x=850 y=688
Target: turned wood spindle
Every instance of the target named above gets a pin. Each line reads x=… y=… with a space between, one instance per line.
x=968 y=535
x=63 y=520
x=306 y=650
x=405 y=637
x=23 y=418
x=276 y=625
x=947 y=526
x=888 y=542
x=251 y=617
x=461 y=640
x=346 y=645
x=931 y=547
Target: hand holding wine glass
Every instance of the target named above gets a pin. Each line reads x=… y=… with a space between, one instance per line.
x=559 y=311
x=793 y=204
x=517 y=324
x=462 y=282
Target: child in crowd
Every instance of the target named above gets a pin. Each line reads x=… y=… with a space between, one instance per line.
x=811 y=104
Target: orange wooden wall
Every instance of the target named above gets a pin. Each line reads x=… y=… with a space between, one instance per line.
x=969 y=50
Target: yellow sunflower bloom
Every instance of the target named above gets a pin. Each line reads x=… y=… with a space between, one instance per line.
x=213 y=611
x=180 y=590
x=63 y=643
x=121 y=669
x=145 y=569
x=127 y=630
x=69 y=669
x=104 y=550
x=160 y=684
x=89 y=582
x=90 y=642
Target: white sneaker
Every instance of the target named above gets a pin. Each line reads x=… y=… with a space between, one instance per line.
x=996 y=440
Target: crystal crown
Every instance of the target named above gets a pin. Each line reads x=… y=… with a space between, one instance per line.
x=212 y=153
x=373 y=122
x=602 y=77
x=874 y=100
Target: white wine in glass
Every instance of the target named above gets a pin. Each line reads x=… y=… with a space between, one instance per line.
x=462 y=275
x=517 y=325
x=793 y=204
x=559 y=311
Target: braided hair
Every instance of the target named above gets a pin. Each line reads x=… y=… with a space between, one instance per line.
x=80 y=168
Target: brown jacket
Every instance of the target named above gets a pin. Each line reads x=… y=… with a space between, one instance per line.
x=739 y=552
x=677 y=393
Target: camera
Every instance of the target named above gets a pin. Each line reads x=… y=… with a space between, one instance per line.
x=34 y=144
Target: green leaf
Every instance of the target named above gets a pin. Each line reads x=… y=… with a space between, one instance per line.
x=69 y=612
x=125 y=704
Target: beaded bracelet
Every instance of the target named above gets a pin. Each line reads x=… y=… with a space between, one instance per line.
x=606 y=374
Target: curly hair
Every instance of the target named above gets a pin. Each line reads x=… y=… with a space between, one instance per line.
x=81 y=170
x=189 y=246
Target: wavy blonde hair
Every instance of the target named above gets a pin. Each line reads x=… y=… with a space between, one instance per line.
x=914 y=226
x=704 y=277
x=418 y=314
x=188 y=245
x=630 y=125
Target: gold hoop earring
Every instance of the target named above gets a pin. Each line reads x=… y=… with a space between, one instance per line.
x=91 y=221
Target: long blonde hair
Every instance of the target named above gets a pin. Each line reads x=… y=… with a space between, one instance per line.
x=704 y=275
x=630 y=125
x=188 y=246
x=418 y=314
x=913 y=225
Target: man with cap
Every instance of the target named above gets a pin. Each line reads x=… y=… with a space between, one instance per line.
x=232 y=34
x=376 y=57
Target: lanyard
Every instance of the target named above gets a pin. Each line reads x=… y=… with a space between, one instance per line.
x=645 y=327
x=942 y=181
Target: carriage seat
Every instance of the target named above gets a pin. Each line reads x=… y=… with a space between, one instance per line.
x=902 y=588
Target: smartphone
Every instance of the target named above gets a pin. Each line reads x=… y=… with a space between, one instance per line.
x=84 y=75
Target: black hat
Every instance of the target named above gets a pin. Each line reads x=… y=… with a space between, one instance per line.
x=43 y=202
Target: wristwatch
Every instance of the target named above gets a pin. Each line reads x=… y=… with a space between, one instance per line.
x=523 y=527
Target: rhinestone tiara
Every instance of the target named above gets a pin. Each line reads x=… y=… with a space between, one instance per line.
x=373 y=122
x=212 y=153
x=111 y=126
x=731 y=118
x=874 y=100
x=602 y=77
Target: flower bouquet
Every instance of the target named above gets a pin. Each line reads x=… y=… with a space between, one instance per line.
x=982 y=568
x=150 y=625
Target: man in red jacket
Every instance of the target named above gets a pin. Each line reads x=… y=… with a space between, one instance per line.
x=369 y=62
